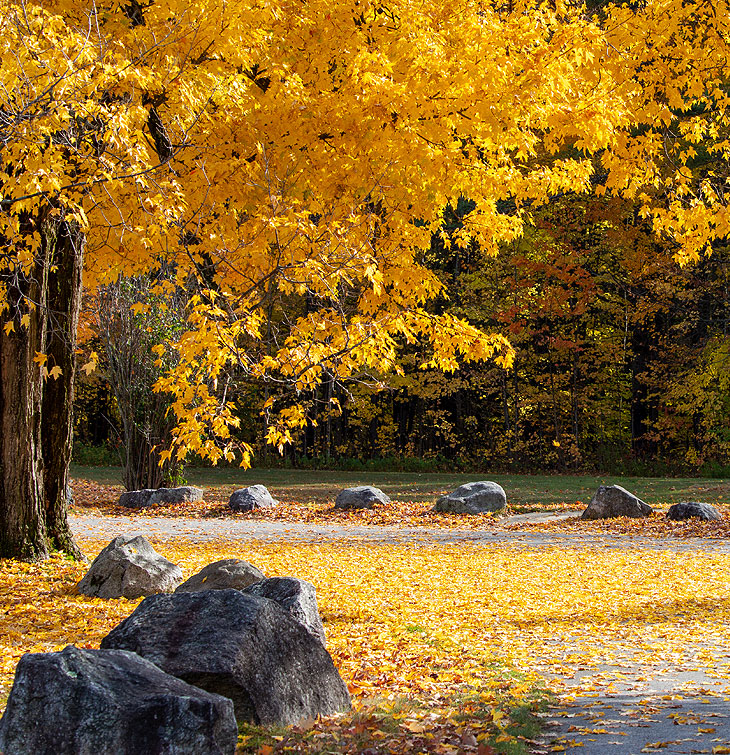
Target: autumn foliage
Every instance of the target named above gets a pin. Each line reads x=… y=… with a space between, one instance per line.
x=307 y=155
x=442 y=646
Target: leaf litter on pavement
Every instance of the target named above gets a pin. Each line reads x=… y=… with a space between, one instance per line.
x=94 y=498
x=444 y=648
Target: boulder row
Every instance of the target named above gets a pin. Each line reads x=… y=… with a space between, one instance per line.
x=610 y=501
x=129 y=567
x=473 y=498
x=243 y=647
x=87 y=702
x=228 y=574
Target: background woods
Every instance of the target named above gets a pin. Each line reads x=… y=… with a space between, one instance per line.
x=621 y=361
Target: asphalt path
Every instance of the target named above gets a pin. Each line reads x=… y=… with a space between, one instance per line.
x=162 y=528
x=663 y=709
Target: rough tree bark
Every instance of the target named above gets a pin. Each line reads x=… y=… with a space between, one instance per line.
x=22 y=516
x=63 y=305
x=35 y=412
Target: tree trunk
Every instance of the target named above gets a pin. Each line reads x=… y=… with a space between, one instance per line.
x=35 y=424
x=66 y=254
x=22 y=516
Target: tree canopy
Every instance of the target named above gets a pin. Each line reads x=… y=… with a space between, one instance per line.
x=291 y=162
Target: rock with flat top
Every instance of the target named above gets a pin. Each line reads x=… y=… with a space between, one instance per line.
x=693 y=510
x=129 y=567
x=141 y=499
x=90 y=702
x=473 y=498
x=360 y=497
x=240 y=646
x=611 y=501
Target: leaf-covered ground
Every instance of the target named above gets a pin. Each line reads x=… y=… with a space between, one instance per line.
x=445 y=647
x=95 y=498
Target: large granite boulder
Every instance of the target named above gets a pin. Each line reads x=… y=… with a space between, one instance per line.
x=360 y=497
x=129 y=567
x=243 y=647
x=89 y=702
x=228 y=574
x=693 y=509
x=473 y=498
x=298 y=597
x=250 y=498
x=141 y=499
x=610 y=501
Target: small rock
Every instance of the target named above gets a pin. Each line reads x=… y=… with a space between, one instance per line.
x=360 y=497
x=244 y=647
x=250 y=498
x=140 y=499
x=129 y=567
x=473 y=498
x=228 y=574
x=81 y=702
x=689 y=509
x=298 y=597
x=610 y=501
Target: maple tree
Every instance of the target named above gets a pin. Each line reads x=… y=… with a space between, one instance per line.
x=294 y=161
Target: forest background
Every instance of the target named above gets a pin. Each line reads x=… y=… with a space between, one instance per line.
x=621 y=363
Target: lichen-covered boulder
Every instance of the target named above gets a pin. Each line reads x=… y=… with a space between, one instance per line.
x=360 y=497
x=241 y=646
x=140 y=499
x=129 y=567
x=693 y=509
x=227 y=574
x=611 y=501
x=473 y=498
x=251 y=498
x=298 y=597
x=89 y=702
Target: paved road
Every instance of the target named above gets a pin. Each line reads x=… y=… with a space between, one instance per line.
x=668 y=710
x=642 y=710
x=248 y=529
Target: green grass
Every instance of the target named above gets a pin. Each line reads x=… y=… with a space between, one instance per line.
x=524 y=492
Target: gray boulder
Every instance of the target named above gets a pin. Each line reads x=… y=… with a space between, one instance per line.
x=140 y=499
x=129 y=567
x=228 y=574
x=360 y=497
x=690 y=509
x=243 y=647
x=250 y=498
x=473 y=498
x=610 y=501
x=88 y=702
x=298 y=597
x=136 y=499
